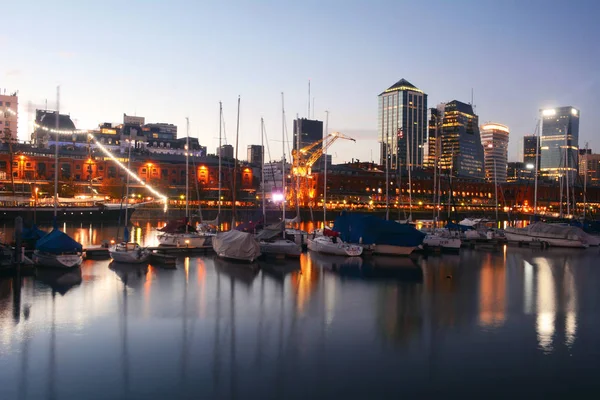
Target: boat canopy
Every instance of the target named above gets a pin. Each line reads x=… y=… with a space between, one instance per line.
x=544 y=230
x=368 y=229
x=34 y=233
x=237 y=245
x=57 y=242
x=178 y=226
x=458 y=227
x=271 y=231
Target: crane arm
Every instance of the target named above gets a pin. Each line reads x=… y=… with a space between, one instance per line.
x=329 y=140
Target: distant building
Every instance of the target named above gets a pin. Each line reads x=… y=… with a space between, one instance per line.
x=310 y=131
x=255 y=155
x=559 y=142
x=531 y=150
x=160 y=131
x=494 y=138
x=589 y=163
x=274 y=176
x=402 y=125
x=433 y=146
x=226 y=151
x=133 y=120
x=9 y=117
x=461 y=149
x=518 y=172
x=45 y=125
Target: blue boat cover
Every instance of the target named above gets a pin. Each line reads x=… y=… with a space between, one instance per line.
x=34 y=233
x=457 y=227
x=57 y=242
x=126 y=234
x=368 y=229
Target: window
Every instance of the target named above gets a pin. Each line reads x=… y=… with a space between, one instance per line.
x=143 y=170
x=77 y=166
x=28 y=165
x=101 y=168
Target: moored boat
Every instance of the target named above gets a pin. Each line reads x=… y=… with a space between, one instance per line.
x=236 y=245
x=129 y=253
x=57 y=250
x=181 y=234
x=332 y=245
x=553 y=235
x=271 y=242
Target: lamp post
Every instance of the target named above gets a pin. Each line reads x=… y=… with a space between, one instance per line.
x=35 y=200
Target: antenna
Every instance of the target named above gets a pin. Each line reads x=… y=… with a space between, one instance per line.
x=308 y=116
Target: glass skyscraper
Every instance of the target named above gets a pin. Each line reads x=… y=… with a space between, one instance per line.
x=530 y=152
x=461 y=149
x=559 y=142
x=494 y=138
x=402 y=125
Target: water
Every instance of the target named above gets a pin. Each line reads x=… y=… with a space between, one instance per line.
x=518 y=322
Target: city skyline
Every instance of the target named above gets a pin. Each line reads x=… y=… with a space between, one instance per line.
x=179 y=69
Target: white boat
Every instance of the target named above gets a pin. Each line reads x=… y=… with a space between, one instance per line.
x=553 y=235
x=236 y=245
x=391 y=250
x=129 y=253
x=333 y=246
x=64 y=260
x=296 y=235
x=441 y=241
x=282 y=247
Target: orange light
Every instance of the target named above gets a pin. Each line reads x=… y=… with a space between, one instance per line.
x=22 y=158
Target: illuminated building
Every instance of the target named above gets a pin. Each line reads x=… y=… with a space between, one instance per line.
x=494 y=138
x=530 y=142
x=9 y=116
x=461 y=150
x=434 y=132
x=518 y=172
x=402 y=124
x=589 y=163
x=559 y=142
x=255 y=155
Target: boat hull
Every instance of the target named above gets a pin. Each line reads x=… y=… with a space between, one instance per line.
x=129 y=257
x=390 y=250
x=443 y=243
x=57 y=260
x=45 y=215
x=285 y=248
x=554 y=242
x=335 y=249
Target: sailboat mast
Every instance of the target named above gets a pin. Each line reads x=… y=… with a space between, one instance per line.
x=127 y=187
x=298 y=134
x=567 y=169
x=409 y=167
x=220 y=130
x=436 y=155
x=237 y=138
x=56 y=153
x=585 y=169
x=325 y=171
x=496 y=191
x=187 y=172
x=535 y=174
x=387 y=176
x=283 y=155
x=262 y=168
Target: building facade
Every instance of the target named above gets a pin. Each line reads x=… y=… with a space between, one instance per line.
x=559 y=142
x=226 y=151
x=461 y=151
x=494 y=138
x=134 y=120
x=9 y=117
x=589 y=164
x=307 y=131
x=402 y=125
x=255 y=155
x=531 y=150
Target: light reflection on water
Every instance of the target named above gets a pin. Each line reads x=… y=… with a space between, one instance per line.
x=216 y=329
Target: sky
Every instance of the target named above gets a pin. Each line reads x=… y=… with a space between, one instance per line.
x=168 y=60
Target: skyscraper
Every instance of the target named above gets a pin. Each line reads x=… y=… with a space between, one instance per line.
x=310 y=131
x=530 y=142
x=559 y=142
x=461 y=149
x=255 y=155
x=402 y=125
x=433 y=133
x=494 y=138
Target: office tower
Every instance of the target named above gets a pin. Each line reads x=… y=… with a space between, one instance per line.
x=402 y=125
x=530 y=151
x=559 y=142
x=494 y=138
x=255 y=155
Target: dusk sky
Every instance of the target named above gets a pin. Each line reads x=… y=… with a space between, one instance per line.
x=166 y=60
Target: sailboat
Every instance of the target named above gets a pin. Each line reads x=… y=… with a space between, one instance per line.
x=125 y=252
x=182 y=234
x=272 y=238
x=57 y=249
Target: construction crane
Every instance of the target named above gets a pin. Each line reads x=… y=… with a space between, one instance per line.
x=304 y=158
x=302 y=162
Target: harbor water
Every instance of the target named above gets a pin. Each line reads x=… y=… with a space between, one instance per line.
x=516 y=322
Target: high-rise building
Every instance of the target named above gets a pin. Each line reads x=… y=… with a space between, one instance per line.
x=402 y=125
x=255 y=155
x=433 y=133
x=226 y=151
x=589 y=163
x=310 y=131
x=530 y=142
x=494 y=138
x=559 y=142
x=461 y=149
x=9 y=115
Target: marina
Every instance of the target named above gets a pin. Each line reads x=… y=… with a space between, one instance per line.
x=220 y=329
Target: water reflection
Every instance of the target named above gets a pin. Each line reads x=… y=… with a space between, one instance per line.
x=59 y=280
x=213 y=328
